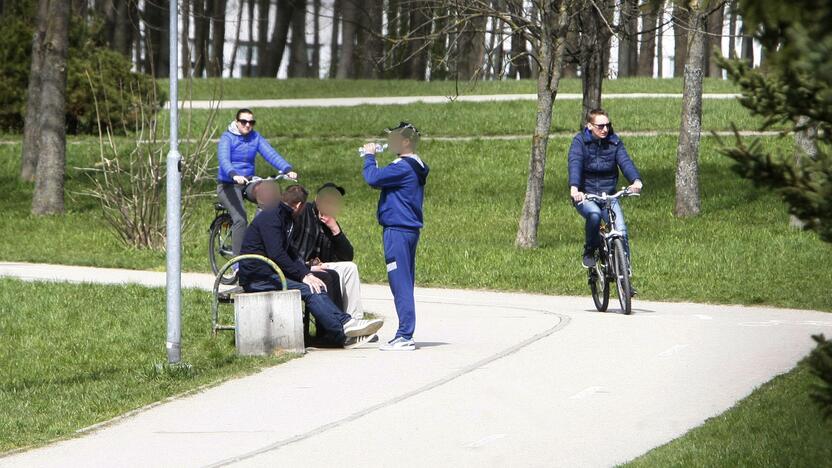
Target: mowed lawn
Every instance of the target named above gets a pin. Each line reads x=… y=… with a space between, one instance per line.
x=77 y=354
x=740 y=250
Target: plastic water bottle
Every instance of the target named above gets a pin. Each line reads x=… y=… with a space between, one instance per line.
x=380 y=148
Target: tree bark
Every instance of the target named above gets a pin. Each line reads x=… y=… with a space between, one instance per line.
x=628 y=38
x=681 y=18
x=218 y=11
x=550 y=52
x=520 y=63
x=418 y=23
x=716 y=21
x=471 y=49
x=31 y=128
x=277 y=45
x=122 y=31
x=647 y=53
x=239 y=25
x=369 y=36
x=806 y=146
x=732 y=29
x=334 y=51
x=747 y=46
x=299 y=52
x=263 y=7
x=346 y=58
x=201 y=30
x=248 y=70
x=594 y=45
x=185 y=13
x=48 y=197
x=316 y=41
x=687 y=153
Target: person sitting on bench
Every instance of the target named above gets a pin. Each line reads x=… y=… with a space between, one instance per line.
x=319 y=240
x=267 y=235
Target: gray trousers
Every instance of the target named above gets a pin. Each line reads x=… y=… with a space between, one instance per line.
x=231 y=197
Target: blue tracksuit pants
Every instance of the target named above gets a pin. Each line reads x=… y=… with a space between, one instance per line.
x=400 y=256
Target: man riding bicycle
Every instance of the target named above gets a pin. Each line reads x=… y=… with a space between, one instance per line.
x=236 y=152
x=595 y=157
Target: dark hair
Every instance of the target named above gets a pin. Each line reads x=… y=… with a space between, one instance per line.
x=295 y=194
x=243 y=111
x=590 y=116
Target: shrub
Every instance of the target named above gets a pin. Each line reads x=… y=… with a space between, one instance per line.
x=820 y=363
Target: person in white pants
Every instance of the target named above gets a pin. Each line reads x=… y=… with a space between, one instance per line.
x=319 y=240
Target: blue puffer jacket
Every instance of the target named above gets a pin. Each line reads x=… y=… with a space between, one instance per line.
x=236 y=154
x=594 y=163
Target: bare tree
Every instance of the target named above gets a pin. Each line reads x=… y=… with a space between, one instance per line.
x=299 y=53
x=316 y=41
x=48 y=197
x=334 y=50
x=185 y=12
x=217 y=64
x=594 y=23
x=713 y=43
x=680 y=38
x=263 y=7
x=349 y=28
x=202 y=28
x=31 y=128
x=628 y=38
x=238 y=27
x=250 y=49
x=687 y=152
x=732 y=29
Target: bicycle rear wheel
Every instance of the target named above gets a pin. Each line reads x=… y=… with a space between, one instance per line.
x=220 y=248
x=622 y=277
x=599 y=285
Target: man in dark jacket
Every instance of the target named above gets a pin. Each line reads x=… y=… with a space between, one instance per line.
x=319 y=240
x=595 y=157
x=267 y=235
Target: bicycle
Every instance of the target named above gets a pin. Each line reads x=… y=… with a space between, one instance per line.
x=611 y=259
x=219 y=233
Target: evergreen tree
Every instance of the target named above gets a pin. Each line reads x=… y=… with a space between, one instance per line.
x=795 y=88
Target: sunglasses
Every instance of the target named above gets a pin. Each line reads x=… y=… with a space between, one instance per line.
x=602 y=126
x=245 y=122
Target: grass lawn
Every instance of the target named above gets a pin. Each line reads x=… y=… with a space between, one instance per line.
x=778 y=425
x=739 y=251
x=74 y=355
x=268 y=88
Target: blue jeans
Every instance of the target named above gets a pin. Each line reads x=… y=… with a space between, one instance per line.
x=593 y=215
x=400 y=256
x=329 y=319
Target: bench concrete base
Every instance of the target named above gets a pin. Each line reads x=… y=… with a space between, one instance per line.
x=268 y=322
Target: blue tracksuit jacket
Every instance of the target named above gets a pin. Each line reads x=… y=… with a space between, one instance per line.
x=402 y=185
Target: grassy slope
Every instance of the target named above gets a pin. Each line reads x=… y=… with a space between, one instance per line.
x=778 y=425
x=74 y=355
x=739 y=251
x=267 y=88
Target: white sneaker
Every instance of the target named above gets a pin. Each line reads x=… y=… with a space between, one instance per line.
x=362 y=327
x=356 y=341
x=399 y=344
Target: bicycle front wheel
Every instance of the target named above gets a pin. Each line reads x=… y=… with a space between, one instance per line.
x=220 y=248
x=599 y=285
x=622 y=277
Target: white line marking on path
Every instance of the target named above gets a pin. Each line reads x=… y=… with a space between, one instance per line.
x=588 y=392
x=703 y=317
x=485 y=441
x=675 y=349
x=768 y=323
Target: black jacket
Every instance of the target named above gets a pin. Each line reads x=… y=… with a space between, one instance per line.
x=312 y=239
x=267 y=235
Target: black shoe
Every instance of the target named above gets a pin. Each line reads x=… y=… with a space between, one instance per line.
x=588 y=259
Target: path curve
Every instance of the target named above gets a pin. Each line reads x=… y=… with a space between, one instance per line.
x=501 y=379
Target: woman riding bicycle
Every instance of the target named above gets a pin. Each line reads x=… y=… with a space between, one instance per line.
x=236 y=152
x=595 y=157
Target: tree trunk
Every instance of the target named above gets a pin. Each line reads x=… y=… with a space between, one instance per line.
x=121 y=32
x=471 y=49
x=550 y=54
x=263 y=7
x=498 y=54
x=233 y=61
x=687 y=153
x=716 y=21
x=647 y=53
x=594 y=45
x=217 y=38
x=732 y=29
x=334 y=52
x=248 y=71
x=520 y=65
x=418 y=24
x=372 y=49
x=48 y=197
x=163 y=55
x=277 y=45
x=747 y=46
x=806 y=146
x=660 y=44
x=316 y=42
x=185 y=39
x=437 y=54
x=201 y=29
x=346 y=58
x=628 y=38
x=31 y=127
x=299 y=53
x=681 y=18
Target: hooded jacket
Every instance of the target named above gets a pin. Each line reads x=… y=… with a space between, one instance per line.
x=267 y=235
x=236 y=154
x=594 y=163
x=402 y=185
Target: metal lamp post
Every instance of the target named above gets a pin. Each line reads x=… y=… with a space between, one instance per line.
x=173 y=202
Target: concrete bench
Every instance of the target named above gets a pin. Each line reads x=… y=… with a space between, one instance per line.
x=269 y=322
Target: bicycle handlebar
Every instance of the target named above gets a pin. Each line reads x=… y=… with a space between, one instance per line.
x=604 y=197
